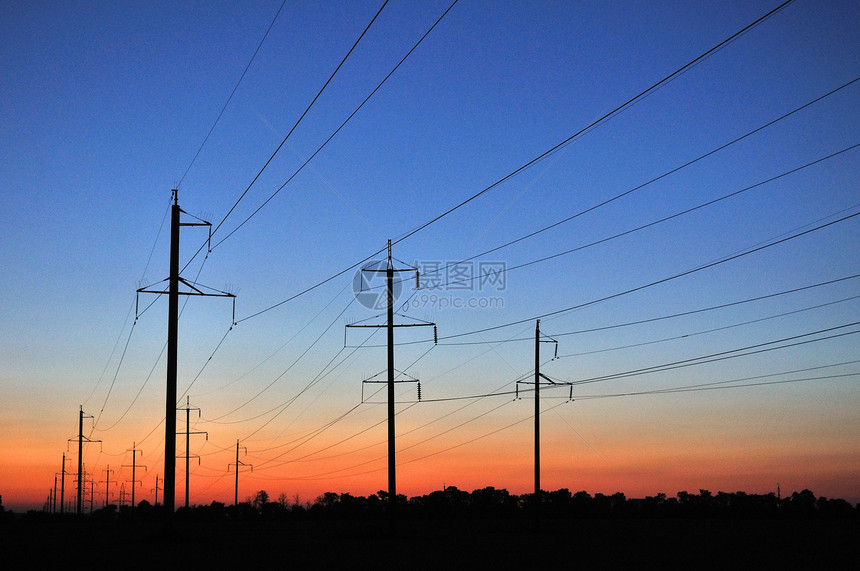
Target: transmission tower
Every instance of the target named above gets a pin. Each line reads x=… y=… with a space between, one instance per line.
x=54 y=496
x=133 y=467
x=173 y=294
x=539 y=379
x=389 y=272
x=80 y=440
x=188 y=408
x=107 y=484
x=156 y=490
x=62 y=475
x=237 y=464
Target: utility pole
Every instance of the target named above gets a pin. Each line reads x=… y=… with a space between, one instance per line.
x=172 y=356
x=80 y=440
x=538 y=379
x=82 y=484
x=237 y=464
x=188 y=434
x=107 y=485
x=133 y=467
x=390 y=270
x=80 y=457
x=173 y=294
x=156 y=490
x=537 y=423
x=63 y=487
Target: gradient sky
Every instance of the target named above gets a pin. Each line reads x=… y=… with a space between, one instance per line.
x=105 y=104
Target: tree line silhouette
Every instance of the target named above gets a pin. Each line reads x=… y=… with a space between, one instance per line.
x=491 y=502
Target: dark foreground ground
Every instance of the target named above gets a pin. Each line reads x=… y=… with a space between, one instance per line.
x=443 y=544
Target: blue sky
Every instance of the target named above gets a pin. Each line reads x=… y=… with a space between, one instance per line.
x=106 y=103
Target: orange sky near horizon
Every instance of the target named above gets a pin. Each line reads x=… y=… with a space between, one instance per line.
x=659 y=454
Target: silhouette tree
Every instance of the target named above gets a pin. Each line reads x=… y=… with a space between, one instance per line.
x=260 y=501
x=803 y=503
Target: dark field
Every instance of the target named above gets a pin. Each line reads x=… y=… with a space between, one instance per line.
x=442 y=544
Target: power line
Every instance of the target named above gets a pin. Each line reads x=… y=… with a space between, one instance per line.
x=669 y=366
x=290 y=340
x=321 y=375
x=302 y=116
x=657 y=282
x=293 y=364
x=678 y=214
x=155 y=243
x=730 y=354
x=506 y=269
x=712 y=308
x=116 y=373
x=712 y=330
x=235 y=87
x=311 y=288
x=200 y=372
x=675 y=338
x=381 y=422
x=599 y=121
x=690 y=362
x=342 y=125
x=668 y=173
x=714 y=385
x=590 y=209
x=328 y=425
x=128 y=314
x=327 y=475
x=154 y=365
x=320 y=148
x=110 y=357
x=569 y=139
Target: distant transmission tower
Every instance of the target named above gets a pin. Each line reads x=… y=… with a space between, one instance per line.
x=80 y=440
x=133 y=466
x=237 y=464
x=156 y=490
x=107 y=485
x=188 y=408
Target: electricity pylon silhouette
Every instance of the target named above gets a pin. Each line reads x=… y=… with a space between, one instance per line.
x=540 y=378
x=63 y=487
x=107 y=485
x=133 y=466
x=156 y=490
x=389 y=272
x=237 y=464
x=80 y=440
x=188 y=408
x=173 y=294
